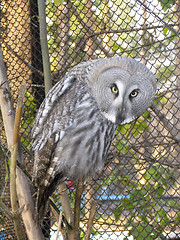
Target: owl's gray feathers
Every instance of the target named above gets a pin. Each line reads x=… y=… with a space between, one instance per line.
x=47 y=111
x=77 y=120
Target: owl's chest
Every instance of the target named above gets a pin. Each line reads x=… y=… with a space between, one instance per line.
x=85 y=145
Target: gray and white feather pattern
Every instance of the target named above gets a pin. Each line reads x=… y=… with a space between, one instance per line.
x=76 y=122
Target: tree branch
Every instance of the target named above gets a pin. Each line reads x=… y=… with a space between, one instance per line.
x=161 y=20
x=22 y=186
x=79 y=191
x=172 y=130
x=91 y=219
x=22 y=59
x=65 y=203
x=89 y=30
x=6 y=210
x=127 y=30
x=13 y=194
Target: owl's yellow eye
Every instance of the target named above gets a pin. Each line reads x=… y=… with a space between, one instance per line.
x=114 y=90
x=134 y=93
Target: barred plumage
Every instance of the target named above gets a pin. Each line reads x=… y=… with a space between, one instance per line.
x=76 y=122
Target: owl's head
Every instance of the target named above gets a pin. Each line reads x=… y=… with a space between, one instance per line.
x=122 y=87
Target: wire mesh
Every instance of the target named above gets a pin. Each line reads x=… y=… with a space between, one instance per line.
x=137 y=194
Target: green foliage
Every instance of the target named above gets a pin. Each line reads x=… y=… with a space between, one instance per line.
x=6 y=163
x=122 y=144
x=28 y=118
x=166 y=4
x=164 y=72
x=145 y=222
x=57 y=197
x=56 y=2
x=93 y=233
x=148 y=214
x=143 y=231
x=75 y=39
x=169 y=33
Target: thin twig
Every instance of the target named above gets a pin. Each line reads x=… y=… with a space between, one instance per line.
x=66 y=206
x=6 y=210
x=147 y=158
x=127 y=30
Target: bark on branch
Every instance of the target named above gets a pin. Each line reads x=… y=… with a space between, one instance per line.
x=14 y=148
x=90 y=221
x=79 y=191
x=65 y=203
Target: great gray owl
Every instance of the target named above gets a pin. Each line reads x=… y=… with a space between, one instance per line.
x=78 y=118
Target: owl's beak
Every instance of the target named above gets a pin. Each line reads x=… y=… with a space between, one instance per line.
x=121 y=106
x=121 y=115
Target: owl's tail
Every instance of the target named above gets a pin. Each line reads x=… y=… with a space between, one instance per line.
x=41 y=206
x=43 y=194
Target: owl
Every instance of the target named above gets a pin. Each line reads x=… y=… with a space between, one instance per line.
x=77 y=120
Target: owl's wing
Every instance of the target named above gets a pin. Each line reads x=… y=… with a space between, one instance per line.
x=55 y=116
x=55 y=113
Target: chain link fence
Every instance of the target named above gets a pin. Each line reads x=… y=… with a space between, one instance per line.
x=137 y=194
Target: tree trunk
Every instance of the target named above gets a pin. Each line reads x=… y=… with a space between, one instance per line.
x=36 y=55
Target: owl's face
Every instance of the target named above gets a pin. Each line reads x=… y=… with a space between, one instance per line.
x=121 y=96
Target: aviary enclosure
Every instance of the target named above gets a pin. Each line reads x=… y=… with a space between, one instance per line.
x=137 y=195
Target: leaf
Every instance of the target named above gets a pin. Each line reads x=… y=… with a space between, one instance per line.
x=152 y=171
x=7 y=176
x=125 y=180
x=143 y=231
x=140 y=126
x=135 y=133
x=118 y=212
x=147 y=115
x=165 y=30
x=166 y=4
x=160 y=191
x=57 y=2
x=9 y=163
x=122 y=146
x=116 y=47
x=123 y=129
x=177 y=218
x=164 y=220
